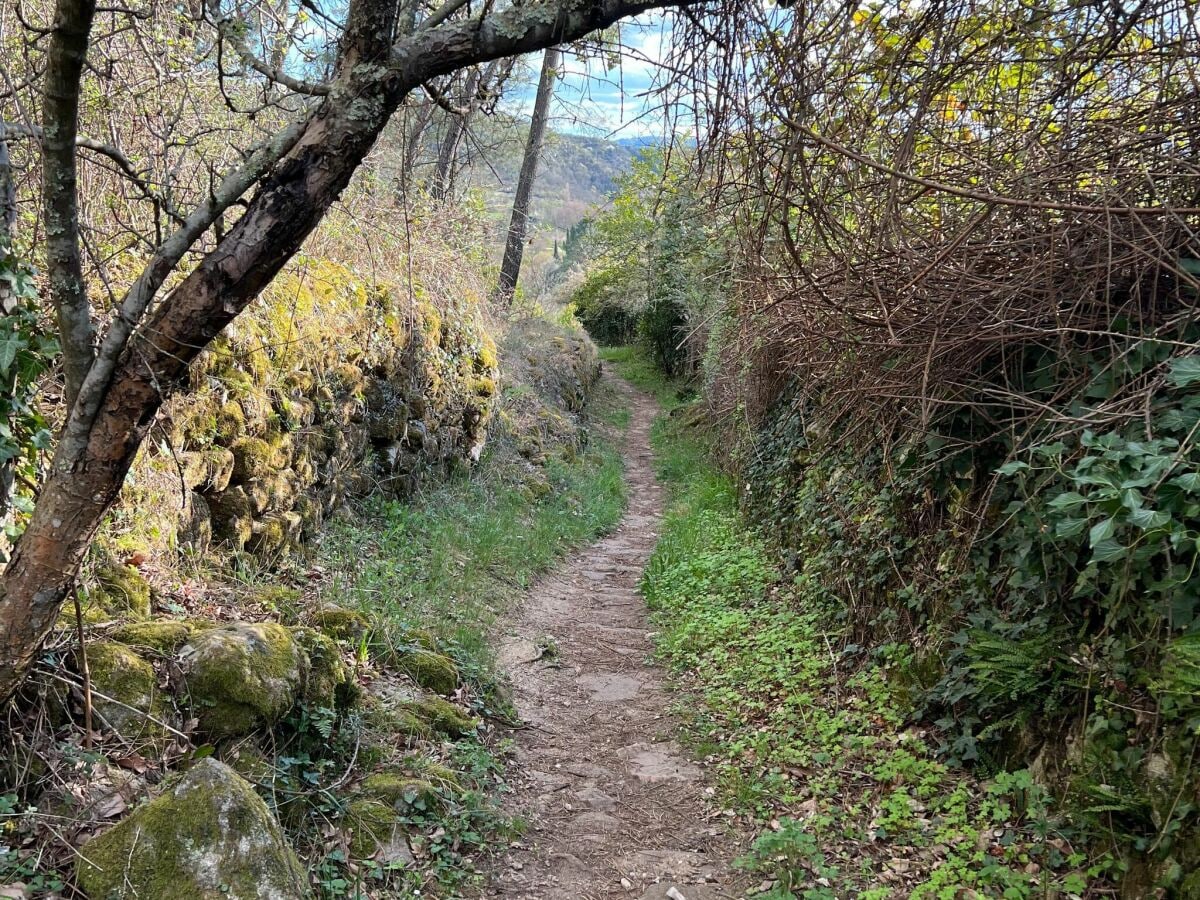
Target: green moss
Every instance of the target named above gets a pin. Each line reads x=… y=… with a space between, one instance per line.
x=210 y=837
x=401 y=791
x=160 y=635
x=123 y=589
x=208 y=469
x=252 y=458
x=279 y=599
x=371 y=825
x=117 y=672
x=241 y=677
x=443 y=716
x=329 y=683
x=251 y=763
x=430 y=670
x=230 y=423
x=340 y=623
x=387 y=722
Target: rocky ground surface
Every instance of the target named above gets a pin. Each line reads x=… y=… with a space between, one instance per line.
x=615 y=807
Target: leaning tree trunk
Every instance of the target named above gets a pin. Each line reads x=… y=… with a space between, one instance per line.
x=102 y=437
x=514 y=248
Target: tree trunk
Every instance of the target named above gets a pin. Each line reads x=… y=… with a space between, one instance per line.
x=514 y=248
x=443 y=176
x=371 y=79
x=8 y=220
x=65 y=57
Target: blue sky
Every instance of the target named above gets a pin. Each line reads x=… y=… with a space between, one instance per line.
x=592 y=99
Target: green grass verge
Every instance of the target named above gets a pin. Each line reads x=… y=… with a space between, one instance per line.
x=813 y=736
x=635 y=366
x=450 y=563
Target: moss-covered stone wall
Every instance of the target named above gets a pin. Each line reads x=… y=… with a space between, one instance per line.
x=327 y=388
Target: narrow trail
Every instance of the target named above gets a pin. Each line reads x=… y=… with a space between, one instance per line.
x=615 y=807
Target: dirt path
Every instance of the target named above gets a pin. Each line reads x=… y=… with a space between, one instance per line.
x=615 y=807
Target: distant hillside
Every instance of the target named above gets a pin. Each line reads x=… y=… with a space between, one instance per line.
x=576 y=171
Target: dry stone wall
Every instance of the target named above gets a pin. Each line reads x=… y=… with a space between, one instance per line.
x=327 y=388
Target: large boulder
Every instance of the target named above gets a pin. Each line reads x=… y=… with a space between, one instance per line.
x=210 y=837
x=241 y=677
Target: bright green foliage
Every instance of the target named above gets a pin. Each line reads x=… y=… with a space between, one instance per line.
x=655 y=265
x=27 y=349
x=811 y=726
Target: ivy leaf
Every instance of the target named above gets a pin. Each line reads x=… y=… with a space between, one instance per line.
x=1184 y=371
x=1069 y=500
x=1149 y=518
x=1101 y=532
x=1108 y=550
x=1068 y=528
x=10 y=345
x=1189 y=481
x=1011 y=468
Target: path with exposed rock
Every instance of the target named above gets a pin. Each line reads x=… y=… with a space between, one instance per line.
x=615 y=807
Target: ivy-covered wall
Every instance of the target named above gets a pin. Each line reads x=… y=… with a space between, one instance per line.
x=1040 y=594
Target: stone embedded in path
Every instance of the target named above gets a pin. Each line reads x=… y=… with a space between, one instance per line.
x=610 y=687
x=651 y=764
x=668 y=891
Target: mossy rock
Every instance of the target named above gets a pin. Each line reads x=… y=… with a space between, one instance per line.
x=281 y=599
x=430 y=670
x=250 y=763
x=122 y=589
x=233 y=519
x=431 y=770
x=209 y=837
x=231 y=423
x=159 y=635
x=252 y=458
x=339 y=623
x=389 y=721
x=372 y=824
x=274 y=534
x=241 y=677
x=209 y=469
x=443 y=716
x=401 y=791
x=329 y=684
x=117 y=672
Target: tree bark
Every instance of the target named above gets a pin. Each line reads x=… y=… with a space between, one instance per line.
x=514 y=247
x=8 y=193
x=65 y=57
x=371 y=79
